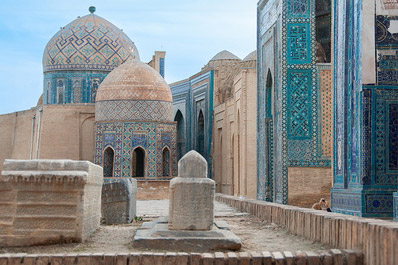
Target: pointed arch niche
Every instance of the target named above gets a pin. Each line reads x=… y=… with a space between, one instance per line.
x=166 y=159
x=138 y=163
x=179 y=118
x=201 y=133
x=108 y=161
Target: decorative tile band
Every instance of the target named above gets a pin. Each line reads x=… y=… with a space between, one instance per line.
x=133 y=110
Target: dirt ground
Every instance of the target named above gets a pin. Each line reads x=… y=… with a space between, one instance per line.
x=256 y=235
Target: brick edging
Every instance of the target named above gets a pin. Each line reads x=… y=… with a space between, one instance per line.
x=332 y=257
x=377 y=239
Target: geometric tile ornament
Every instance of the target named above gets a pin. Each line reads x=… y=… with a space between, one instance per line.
x=88 y=43
x=133 y=110
x=124 y=137
x=365 y=118
x=82 y=54
x=298 y=115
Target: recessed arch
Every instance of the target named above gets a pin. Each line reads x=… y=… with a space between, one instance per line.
x=179 y=118
x=138 y=162
x=108 y=162
x=201 y=133
x=166 y=162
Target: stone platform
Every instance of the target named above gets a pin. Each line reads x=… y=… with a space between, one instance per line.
x=156 y=235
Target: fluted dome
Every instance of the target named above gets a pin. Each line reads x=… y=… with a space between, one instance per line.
x=88 y=43
x=134 y=91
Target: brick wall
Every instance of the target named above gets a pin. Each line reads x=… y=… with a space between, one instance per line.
x=332 y=257
x=377 y=239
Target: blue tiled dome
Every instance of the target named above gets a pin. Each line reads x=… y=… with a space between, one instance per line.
x=88 y=43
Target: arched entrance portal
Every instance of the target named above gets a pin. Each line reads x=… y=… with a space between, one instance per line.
x=201 y=134
x=166 y=162
x=107 y=162
x=138 y=163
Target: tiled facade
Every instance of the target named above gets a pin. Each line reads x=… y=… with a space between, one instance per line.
x=293 y=95
x=124 y=137
x=366 y=96
x=192 y=100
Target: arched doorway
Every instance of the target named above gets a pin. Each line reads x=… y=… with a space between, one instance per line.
x=180 y=134
x=107 y=163
x=166 y=162
x=201 y=134
x=138 y=163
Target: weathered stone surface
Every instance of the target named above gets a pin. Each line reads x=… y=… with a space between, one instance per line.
x=156 y=235
x=50 y=201
x=191 y=195
x=119 y=202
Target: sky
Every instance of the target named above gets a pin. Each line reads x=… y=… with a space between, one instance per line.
x=191 y=32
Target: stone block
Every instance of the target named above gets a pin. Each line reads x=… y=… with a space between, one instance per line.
x=56 y=201
x=191 y=195
x=244 y=258
x=119 y=200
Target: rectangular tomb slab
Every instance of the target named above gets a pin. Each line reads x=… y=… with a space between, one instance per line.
x=49 y=201
x=157 y=235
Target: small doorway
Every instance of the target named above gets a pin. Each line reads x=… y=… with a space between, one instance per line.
x=138 y=163
x=107 y=164
x=166 y=162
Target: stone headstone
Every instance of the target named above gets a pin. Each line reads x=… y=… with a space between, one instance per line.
x=191 y=195
x=49 y=201
x=119 y=200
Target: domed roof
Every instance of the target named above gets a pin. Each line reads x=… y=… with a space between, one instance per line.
x=134 y=80
x=225 y=55
x=88 y=43
x=251 y=56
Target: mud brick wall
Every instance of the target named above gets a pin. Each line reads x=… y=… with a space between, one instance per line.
x=377 y=239
x=332 y=257
x=49 y=201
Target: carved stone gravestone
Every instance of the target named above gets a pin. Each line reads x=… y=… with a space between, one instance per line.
x=191 y=195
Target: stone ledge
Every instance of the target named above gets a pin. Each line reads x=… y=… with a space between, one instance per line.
x=49 y=171
x=343 y=257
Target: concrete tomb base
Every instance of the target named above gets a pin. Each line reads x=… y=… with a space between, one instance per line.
x=119 y=200
x=157 y=235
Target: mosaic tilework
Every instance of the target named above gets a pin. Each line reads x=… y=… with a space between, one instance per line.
x=298 y=43
x=363 y=122
x=395 y=201
x=78 y=86
x=379 y=203
x=167 y=137
x=88 y=43
x=133 y=110
x=393 y=136
x=347 y=201
x=326 y=111
x=297 y=113
x=123 y=137
x=299 y=110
